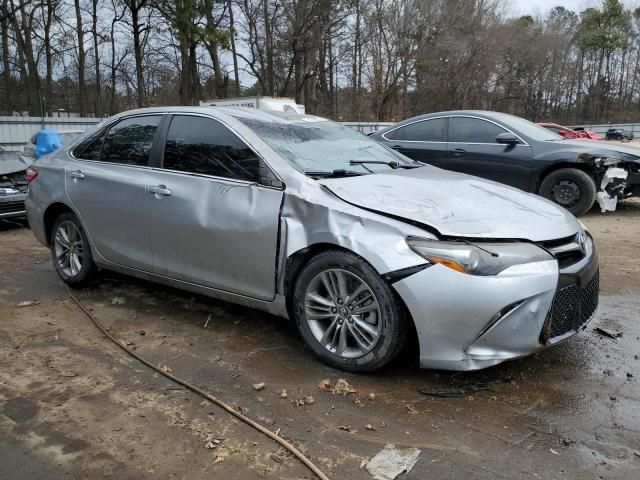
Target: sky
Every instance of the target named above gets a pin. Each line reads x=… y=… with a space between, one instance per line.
x=531 y=7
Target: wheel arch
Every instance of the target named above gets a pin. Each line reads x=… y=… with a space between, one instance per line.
x=52 y=212
x=558 y=166
x=296 y=262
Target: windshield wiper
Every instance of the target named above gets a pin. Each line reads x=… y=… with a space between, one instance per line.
x=341 y=172
x=391 y=164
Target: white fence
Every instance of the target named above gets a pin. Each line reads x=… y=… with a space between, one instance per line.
x=16 y=131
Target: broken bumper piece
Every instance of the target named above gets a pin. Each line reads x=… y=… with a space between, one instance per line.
x=12 y=204
x=616 y=180
x=467 y=322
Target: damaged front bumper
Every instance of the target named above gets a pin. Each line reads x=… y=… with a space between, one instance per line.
x=615 y=178
x=467 y=322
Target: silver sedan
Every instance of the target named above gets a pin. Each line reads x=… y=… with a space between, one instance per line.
x=309 y=220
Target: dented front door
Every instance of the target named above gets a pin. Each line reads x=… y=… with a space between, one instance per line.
x=213 y=232
x=211 y=220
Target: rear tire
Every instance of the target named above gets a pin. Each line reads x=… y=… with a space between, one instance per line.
x=71 y=252
x=570 y=188
x=358 y=326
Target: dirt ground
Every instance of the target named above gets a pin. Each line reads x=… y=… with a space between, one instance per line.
x=73 y=405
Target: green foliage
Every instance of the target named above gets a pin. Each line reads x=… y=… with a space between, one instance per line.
x=607 y=28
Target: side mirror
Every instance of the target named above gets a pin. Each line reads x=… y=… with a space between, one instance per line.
x=507 y=138
x=271 y=182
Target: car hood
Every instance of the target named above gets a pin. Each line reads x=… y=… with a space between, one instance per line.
x=456 y=205
x=596 y=148
x=11 y=162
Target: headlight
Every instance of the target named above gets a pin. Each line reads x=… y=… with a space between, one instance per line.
x=480 y=258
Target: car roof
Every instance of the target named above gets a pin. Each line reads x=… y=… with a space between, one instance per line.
x=236 y=112
x=475 y=113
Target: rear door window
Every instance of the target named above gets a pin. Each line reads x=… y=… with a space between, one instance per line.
x=423 y=131
x=89 y=149
x=473 y=130
x=205 y=146
x=129 y=141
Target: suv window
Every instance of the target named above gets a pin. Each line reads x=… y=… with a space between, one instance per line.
x=205 y=146
x=423 y=131
x=473 y=130
x=129 y=141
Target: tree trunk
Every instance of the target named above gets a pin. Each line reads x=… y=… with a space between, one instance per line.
x=82 y=87
x=6 y=66
x=270 y=80
x=49 y=60
x=94 y=31
x=211 y=42
x=137 y=49
x=232 y=35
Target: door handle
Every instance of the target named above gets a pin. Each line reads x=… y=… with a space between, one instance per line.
x=160 y=190
x=77 y=174
x=397 y=147
x=458 y=151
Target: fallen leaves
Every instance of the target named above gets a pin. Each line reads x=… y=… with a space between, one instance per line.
x=212 y=442
x=346 y=428
x=411 y=409
x=28 y=303
x=342 y=387
x=307 y=400
x=325 y=385
x=239 y=409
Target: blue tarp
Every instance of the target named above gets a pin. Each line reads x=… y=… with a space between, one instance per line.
x=47 y=141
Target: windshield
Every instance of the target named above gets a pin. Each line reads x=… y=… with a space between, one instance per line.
x=324 y=146
x=527 y=128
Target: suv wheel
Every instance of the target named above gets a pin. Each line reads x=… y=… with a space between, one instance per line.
x=70 y=251
x=570 y=188
x=347 y=314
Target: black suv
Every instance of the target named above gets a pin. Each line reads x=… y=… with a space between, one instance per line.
x=619 y=134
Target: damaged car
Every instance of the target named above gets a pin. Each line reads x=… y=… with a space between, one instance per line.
x=511 y=150
x=13 y=184
x=306 y=219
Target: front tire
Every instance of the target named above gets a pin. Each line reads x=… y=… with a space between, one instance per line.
x=347 y=314
x=570 y=188
x=71 y=252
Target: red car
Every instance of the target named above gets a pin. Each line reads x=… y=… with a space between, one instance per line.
x=567 y=132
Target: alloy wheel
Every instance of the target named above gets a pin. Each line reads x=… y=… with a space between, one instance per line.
x=343 y=313
x=69 y=248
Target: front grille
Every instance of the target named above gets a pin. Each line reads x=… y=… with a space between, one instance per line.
x=572 y=307
x=566 y=250
x=11 y=207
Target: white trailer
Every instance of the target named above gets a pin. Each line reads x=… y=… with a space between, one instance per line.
x=274 y=104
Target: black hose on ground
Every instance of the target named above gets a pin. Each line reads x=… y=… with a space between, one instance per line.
x=297 y=453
